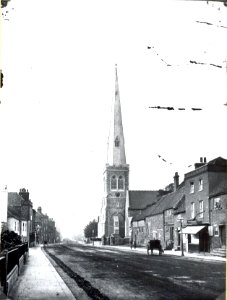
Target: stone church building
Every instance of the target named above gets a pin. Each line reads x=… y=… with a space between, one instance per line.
x=119 y=205
x=116 y=180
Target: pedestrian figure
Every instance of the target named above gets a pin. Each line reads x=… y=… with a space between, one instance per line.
x=134 y=244
x=131 y=244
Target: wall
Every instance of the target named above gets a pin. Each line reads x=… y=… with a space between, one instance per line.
x=218 y=218
x=154 y=226
x=197 y=195
x=13 y=225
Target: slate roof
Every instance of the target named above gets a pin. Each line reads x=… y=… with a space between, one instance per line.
x=141 y=199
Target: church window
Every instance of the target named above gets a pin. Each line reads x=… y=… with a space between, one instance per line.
x=116 y=224
x=117 y=142
x=113 y=182
x=120 y=183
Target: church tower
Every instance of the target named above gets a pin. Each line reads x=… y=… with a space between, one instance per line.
x=116 y=180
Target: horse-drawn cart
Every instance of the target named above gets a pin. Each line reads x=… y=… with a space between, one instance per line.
x=154 y=244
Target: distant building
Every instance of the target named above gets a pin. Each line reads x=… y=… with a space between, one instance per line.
x=19 y=215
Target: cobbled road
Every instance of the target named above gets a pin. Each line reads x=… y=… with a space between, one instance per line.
x=109 y=273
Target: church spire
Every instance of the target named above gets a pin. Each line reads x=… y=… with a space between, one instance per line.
x=118 y=141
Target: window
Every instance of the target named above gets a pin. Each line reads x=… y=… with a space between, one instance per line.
x=200 y=184
x=189 y=238
x=120 y=183
x=168 y=212
x=201 y=209
x=217 y=203
x=113 y=182
x=192 y=210
x=192 y=188
x=216 y=230
x=117 y=142
x=116 y=224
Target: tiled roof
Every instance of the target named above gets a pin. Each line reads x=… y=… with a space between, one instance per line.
x=218 y=186
x=218 y=161
x=141 y=199
x=14 y=199
x=167 y=201
x=14 y=212
x=180 y=207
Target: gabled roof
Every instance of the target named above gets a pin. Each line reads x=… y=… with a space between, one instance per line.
x=219 y=161
x=141 y=199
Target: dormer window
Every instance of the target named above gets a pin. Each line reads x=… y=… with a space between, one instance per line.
x=117 y=142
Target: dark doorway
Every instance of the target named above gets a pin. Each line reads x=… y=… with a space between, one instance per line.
x=222 y=231
x=204 y=240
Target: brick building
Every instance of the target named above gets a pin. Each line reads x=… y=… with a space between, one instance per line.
x=205 y=188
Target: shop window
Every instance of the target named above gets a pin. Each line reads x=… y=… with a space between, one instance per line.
x=189 y=239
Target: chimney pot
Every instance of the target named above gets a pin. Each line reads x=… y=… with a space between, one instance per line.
x=201 y=159
x=205 y=159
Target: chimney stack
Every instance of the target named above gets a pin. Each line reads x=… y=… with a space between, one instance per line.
x=202 y=162
x=39 y=209
x=176 y=181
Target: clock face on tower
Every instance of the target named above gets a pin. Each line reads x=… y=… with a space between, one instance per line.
x=117 y=194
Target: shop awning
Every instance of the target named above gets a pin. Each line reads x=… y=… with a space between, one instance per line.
x=192 y=229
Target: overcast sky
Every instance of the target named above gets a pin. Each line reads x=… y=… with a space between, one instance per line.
x=58 y=59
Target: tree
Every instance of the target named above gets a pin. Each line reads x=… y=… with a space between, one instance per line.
x=10 y=239
x=91 y=230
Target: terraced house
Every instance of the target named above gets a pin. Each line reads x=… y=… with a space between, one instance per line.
x=195 y=211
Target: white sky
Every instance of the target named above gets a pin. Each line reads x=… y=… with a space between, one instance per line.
x=58 y=59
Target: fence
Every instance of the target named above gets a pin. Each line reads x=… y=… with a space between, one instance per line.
x=9 y=259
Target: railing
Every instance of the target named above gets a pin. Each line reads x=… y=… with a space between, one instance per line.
x=8 y=260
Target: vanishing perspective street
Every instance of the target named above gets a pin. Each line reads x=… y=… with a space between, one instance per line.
x=116 y=273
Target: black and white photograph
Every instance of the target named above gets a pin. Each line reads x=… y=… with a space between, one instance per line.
x=113 y=149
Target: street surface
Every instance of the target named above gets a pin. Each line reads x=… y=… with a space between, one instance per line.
x=108 y=273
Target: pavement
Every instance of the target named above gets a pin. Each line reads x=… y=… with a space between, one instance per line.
x=200 y=256
x=39 y=280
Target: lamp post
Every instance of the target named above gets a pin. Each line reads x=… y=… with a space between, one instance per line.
x=181 y=235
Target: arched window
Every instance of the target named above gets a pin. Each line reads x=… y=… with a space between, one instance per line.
x=113 y=183
x=121 y=183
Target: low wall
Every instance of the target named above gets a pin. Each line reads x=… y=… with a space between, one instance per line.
x=16 y=271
